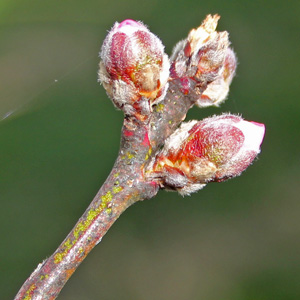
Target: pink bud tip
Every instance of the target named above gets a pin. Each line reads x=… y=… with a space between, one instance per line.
x=262 y=126
x=129 y=22
x=254 y=134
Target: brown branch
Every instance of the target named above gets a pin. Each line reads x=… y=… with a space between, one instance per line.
x=124 y=186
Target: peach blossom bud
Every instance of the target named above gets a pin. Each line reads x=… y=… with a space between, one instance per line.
x=214 y=149
x=204 y=63
x=134 y=66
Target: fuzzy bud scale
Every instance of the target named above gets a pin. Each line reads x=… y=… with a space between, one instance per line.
x=133 y=67
x=213 y=149
x=204 y=64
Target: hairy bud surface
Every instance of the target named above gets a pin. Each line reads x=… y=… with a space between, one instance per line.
x=214 y=149
x=134 y=68
x=204 y=64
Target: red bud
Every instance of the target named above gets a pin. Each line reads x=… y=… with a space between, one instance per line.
x=213 y=149
x=133 y=65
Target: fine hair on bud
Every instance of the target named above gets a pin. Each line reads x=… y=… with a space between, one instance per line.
x=133 y=67
x=211 y=150
x=204 y=64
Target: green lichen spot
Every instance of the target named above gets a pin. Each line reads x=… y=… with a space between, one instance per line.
x=160 y=107
x=29 y=292
x=79 y=227
x=44 y=277
x=107 y=197
x=130 y=155
x=117 y=189
x=84 y=225
x=116 y=175
x=68 y=244
x=148 y=154
x=170 y=122
x=92 y=215
x=58 y=257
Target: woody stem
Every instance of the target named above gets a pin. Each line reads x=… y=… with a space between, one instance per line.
x=124 y=186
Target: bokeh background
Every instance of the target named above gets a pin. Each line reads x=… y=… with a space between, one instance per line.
x=59 y=137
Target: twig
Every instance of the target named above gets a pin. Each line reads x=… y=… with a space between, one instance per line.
x=156 y=104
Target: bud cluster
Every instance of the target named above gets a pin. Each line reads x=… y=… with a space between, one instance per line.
x=135 y=72
x=213 y=149
x=134 y=69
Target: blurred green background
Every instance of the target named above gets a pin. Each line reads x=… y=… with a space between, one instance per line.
x=59 y=137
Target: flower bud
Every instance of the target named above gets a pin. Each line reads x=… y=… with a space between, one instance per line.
x=134 y=66
x=204 y=63
x=217 y=90
x=214 y=149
